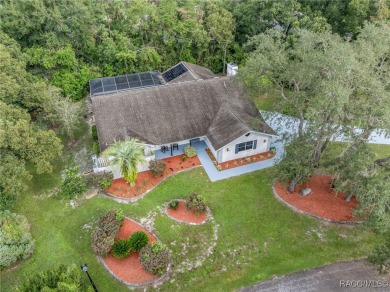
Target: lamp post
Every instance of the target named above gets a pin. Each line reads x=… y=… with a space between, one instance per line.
x=85 y=269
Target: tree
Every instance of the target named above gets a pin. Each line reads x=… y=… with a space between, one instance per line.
x=16 y=242
x=220 y=25
x=65 y=112
x=22 y=143
x=62 y=278
x=126 y=155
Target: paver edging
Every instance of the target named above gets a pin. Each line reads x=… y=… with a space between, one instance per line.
x=158 y=281
x=313 y=215
x=166 y=206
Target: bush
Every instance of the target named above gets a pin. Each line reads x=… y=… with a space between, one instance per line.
x=73 y=184
x=155 y=258
x=96 y=148
x=16 y=242
x=94 y=133
x=63 y=278
x=138 y=240
x=157 y=167
x=103 y=237
x=190 y=151
x=100 y=180
x=174 y=204
x=121 y=249
x=119 y=215
x=102 y=242
x=381 y=257
x=196 y=203
x=183 y=158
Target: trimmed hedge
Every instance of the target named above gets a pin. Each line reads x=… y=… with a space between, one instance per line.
x=190 y=151
x=157 y=167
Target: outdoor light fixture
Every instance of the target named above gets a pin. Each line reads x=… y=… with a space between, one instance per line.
x=85 y=269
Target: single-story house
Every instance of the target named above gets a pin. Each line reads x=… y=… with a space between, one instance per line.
x=184 y=104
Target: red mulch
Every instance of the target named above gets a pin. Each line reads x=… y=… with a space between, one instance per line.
x=240 y=161
x=130 y=269
x=185 y=215
x=145 y=180
x=322 y=202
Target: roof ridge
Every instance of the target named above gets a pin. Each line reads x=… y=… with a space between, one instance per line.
x=189 y=70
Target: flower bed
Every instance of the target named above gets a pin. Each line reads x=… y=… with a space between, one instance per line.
x=181 y=214
x=239 y=161
x=146 y=181
x=322 y=202
x=129 y=270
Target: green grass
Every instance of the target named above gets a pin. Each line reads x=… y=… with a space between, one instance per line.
x=258 y=237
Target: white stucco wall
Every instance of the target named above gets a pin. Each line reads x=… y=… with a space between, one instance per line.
x=206 y=140
x=229 y=151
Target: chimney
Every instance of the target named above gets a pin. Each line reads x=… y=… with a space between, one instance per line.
x=232 y=69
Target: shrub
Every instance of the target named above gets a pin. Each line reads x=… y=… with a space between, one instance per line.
x=381 y=257
x=94 y=133
x=73 y=184
x=96 y=147
x=155 y=258
x=103 y=237
x=157 y=167
x=99 y=180
x=16 y=242
x=174 y=204
x=196 y=203
x=138 y=240
x=119 y=215
x=63 y=278
x=189 y=151
x=183 y=158
x=102 y=242
x=121 y=249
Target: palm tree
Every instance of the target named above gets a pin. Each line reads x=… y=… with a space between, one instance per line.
x=127 y=155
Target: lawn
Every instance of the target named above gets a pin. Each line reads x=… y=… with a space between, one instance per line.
x=254 y=236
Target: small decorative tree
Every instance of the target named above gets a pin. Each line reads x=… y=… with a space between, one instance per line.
x=190 y=151
x=155 y=258
x=196 y=203
x=127 y=155
x=138 y=240
x=157 y=167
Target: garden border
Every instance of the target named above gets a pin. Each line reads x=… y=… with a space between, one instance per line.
x=155 y=282
x=132 y=200
x=166 y=206
x=354 y=223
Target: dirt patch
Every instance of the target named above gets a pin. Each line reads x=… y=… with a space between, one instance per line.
x=129 y=270
x=322 y=202
x=183 y=215
x=239 y=161
x=146 y=181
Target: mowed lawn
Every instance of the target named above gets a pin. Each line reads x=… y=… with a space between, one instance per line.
x=253 y=236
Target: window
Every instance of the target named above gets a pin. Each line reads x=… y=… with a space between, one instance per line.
x=246 y=146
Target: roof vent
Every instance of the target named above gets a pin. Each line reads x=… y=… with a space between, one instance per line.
x=232 y=69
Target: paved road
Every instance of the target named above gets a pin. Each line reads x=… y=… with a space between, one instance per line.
x=354 y=275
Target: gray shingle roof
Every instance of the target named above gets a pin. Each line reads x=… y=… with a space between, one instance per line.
x=218 y=108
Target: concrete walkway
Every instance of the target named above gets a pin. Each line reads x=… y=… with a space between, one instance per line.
x=343 y=276
x=215 y=175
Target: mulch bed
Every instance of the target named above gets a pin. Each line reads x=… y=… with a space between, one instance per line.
x=129 y=269
x=184 y=215
x=146 y=181
x=322 y=202
x=239 y=161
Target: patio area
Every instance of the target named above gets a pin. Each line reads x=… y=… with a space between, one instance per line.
x=215 y=175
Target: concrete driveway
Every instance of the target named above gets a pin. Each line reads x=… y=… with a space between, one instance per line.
x=343 y=276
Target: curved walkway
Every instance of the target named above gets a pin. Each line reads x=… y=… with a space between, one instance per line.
x=344 y=276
